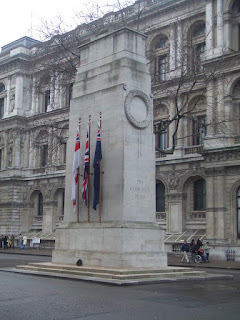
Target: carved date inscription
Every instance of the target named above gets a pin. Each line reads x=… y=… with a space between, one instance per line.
x=139 y=190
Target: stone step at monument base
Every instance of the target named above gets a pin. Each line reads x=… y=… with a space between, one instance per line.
x=115 y=276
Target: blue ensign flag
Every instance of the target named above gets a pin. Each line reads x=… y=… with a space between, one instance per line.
x=96 y=166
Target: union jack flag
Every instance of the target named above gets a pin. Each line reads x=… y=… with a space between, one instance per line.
x=75 y=169
x=96 y=166
x=86 y=172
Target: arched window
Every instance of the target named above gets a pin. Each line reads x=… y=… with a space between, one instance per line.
x=198 y=46
x=161 y=53
x=2 y=87
x=40 y=204
x=235 y=25
x=200 y=194
x=236 y=107
x=199 y=30
x=162 y=42
x=238 y=213
x=235 y=10
x=160 y=197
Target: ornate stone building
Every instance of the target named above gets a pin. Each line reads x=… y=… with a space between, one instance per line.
x=193 y=53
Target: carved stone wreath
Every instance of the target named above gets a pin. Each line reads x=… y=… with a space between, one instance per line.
x=140 y=124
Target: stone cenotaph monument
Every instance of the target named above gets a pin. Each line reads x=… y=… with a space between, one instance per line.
x=113 y=78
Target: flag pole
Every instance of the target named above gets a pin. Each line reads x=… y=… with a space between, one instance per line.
x=100 y=182
x=88 y=193
x=78 y=191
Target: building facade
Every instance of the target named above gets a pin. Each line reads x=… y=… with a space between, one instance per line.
x=193 y=54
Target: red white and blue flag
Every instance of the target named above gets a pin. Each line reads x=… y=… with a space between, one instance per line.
x=75 y=171
x=96 y=166
x=86 y=172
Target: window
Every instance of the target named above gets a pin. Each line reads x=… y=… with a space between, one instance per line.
x=2 y=87
x=10 y=156
x=162 y=43
x=198 y=46
x=236 y=8
x=46 y=100
x=1 y=108
x=69 y=95
x=160 y=197
x=238 y=213
x=162 y=135
x=161 y=68
x=199 y=30
x=199 y=130
x=235 y=23
x=1 y=155
x=199 y=56
x=64 y=150
x=200 y=195
x=44 y=156
x=63 y=202
x=40 y=204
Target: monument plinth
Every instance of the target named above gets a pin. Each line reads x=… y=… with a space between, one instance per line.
x=113 y=79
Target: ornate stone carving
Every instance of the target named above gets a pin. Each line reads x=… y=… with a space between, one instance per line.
x=175 y=196
x=215 y=171
x=140 y=119
x=222 y=156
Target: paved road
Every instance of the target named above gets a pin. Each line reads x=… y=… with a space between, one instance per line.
x=25 y=297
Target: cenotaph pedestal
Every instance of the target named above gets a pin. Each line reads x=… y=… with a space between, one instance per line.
x=114 y=79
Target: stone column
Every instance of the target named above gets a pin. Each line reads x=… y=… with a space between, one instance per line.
x=34 y=94
x=17 y=151
x=19 y=95
x=8 y=96
x=172 y=58
x=209 y=28
x=171 y=128
x=210 y=203
x=57 y=92
x=210 y=109
x=220 y=24
x=180 y=49
x=175 y=219
x=52 y=93
x=227 y=31
x=220 y=204
x=48 y=216
x=220 y=116
x=228 y=106
x=215 y=216
x=180 y=135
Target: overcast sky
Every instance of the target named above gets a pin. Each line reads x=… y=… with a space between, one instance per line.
x=23 y=17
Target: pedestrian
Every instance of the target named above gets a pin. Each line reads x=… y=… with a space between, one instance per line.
x=191 y=248
x=207 y=248
x=195 y=248
x=201 y=253
x=13 y=240
x=185 y=250
x=199 y=243
x=25 y=242
x=5 y=242
x=20 y=241
x=10 y=242
x=1 y=241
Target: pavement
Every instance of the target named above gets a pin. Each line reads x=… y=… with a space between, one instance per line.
x=174 y=259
